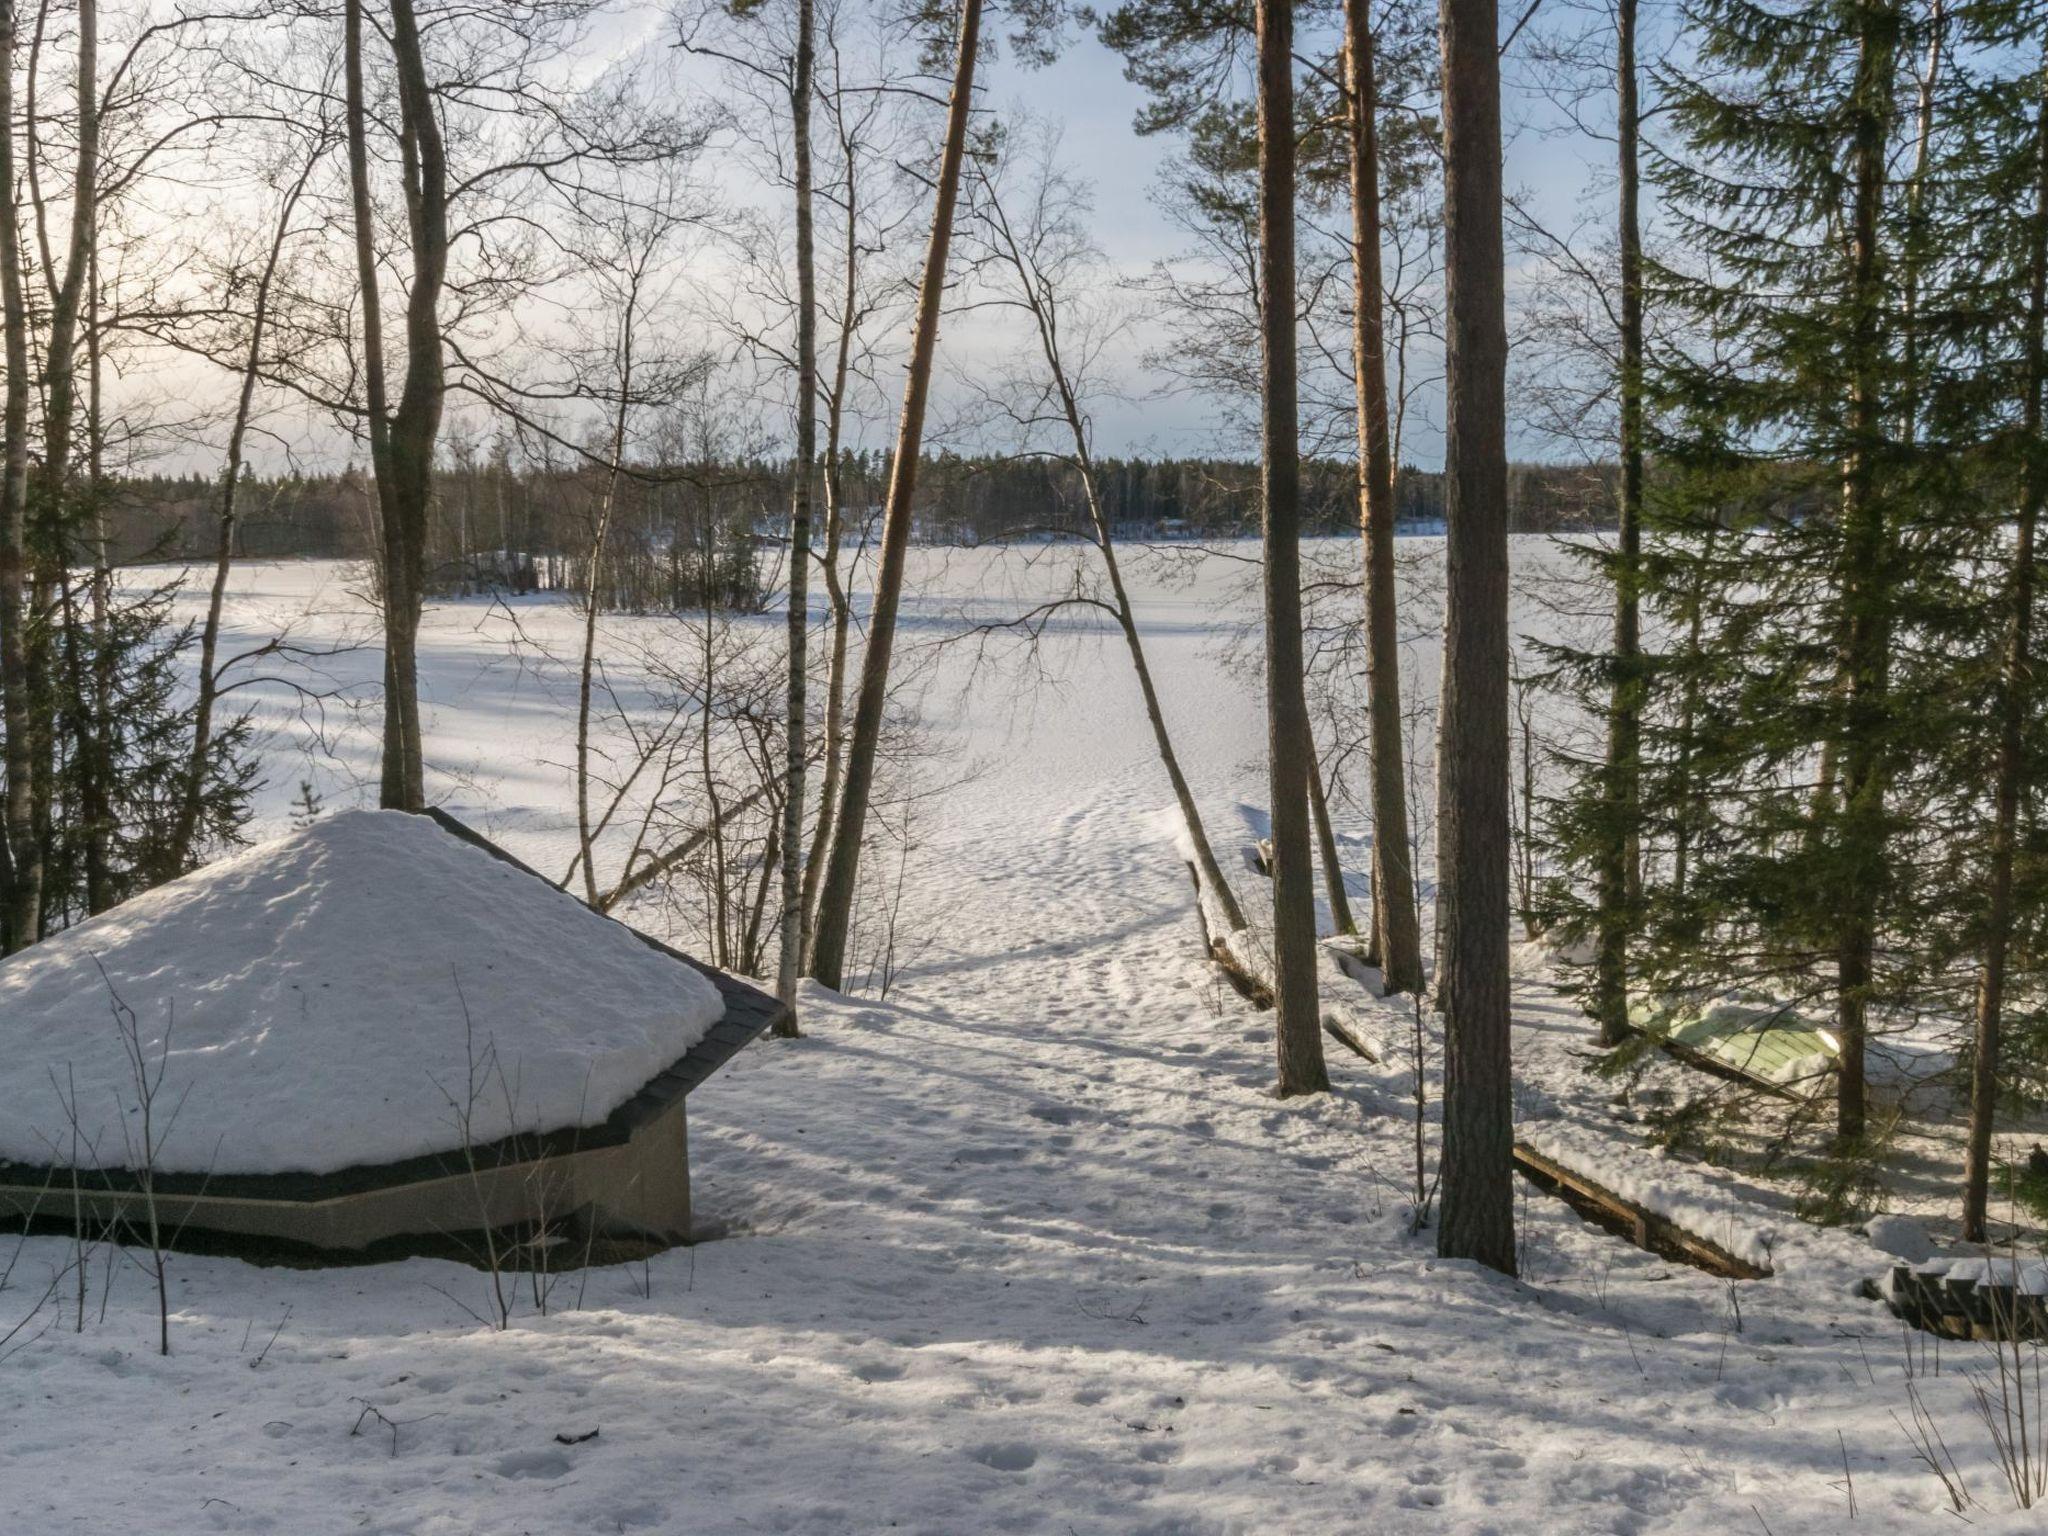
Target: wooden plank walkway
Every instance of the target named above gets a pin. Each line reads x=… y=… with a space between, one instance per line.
x=1641 y=1226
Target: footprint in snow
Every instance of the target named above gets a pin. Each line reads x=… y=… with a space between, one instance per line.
x=1006 y=1456
x=546 y=1465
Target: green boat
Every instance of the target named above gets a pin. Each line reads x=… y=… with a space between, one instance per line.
x=1753 y=1039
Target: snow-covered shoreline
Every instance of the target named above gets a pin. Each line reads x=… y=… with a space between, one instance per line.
x=1027 y=1247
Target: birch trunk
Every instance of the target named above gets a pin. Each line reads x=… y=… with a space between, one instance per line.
x=24 y=849
x=792 y=839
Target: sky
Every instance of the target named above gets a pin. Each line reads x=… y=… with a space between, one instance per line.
x=1083 y=90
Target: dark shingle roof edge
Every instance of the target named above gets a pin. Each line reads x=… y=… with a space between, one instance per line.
x=748 y=1012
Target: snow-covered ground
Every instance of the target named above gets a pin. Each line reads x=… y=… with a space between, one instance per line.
x=1026 y=1247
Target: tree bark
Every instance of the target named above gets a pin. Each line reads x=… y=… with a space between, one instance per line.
x=1472 y=753
x=1297 y=1018
x=1614 y=875
x=842 y=874
x=2016 y=689
x=416 y=424
x=805 y=472
x=25 y=857
x=1397 y=930
x=60 y=363
x=1866 y=636
x=1341 y=919
x=376 y=404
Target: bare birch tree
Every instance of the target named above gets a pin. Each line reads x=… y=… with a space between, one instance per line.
x=25 y=859
x=1043 y=255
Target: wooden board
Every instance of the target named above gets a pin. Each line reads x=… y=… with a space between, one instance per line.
x=1645 y=1228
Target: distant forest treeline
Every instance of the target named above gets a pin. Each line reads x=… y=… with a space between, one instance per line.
x=687 y=532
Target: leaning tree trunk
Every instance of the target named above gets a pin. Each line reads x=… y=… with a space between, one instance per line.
x=837 y=650
x=1472 y=747
x=24 y=848
x=1614 y=875
x=1865 y=636
x=805 y=472
x=842 y=872
x=1038 y=297
x=416 y=424
x=1296 y=1014
x=1397 y=930
x=2015 y=700
x=1341 y=920
x=192 y=793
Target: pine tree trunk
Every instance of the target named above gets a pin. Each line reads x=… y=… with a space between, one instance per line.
x=1865 y=634
x=25 y=858
x=1297 y=1017
x=1615 y=875
x=2016 y=698
x=804 y=471
x=1396 y=921
x=1472 y=752
x=842 y=873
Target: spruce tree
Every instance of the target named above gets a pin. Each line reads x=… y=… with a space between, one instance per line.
x=1800 y=535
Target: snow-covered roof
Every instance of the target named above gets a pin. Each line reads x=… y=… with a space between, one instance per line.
x=345 y=995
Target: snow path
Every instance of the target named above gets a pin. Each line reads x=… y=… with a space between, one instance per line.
x=1027 y=1248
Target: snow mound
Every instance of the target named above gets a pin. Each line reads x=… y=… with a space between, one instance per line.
x=328 y=999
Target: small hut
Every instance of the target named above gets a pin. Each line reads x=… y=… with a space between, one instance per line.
x=377 y=1030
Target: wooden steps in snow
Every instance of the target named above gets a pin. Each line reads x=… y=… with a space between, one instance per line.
x=1969 y=1305
x=1258 y=991
x=1647 y=1229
